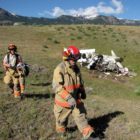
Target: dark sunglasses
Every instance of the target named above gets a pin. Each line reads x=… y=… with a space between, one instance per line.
x=12 y=49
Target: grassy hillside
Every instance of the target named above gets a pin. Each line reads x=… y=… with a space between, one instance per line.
x=113 y=105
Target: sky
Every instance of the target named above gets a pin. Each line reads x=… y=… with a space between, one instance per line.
x=128 y=9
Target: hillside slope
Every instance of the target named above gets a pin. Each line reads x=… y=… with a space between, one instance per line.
x=112 y=103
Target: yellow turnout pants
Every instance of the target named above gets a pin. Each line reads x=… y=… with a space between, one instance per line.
x=79 y=115
x=11 y=78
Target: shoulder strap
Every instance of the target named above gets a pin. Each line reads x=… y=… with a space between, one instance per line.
x=16 y=58
x=8 y=57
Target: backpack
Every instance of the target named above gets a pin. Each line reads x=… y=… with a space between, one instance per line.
x=24 y=68
x=27 y=69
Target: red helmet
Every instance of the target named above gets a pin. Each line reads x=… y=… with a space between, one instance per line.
x=12 y=47
x=72 y=53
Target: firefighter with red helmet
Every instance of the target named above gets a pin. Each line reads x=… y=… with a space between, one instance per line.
x=11 y=78
x=69 y=92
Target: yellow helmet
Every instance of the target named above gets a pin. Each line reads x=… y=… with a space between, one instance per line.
x=12 y=47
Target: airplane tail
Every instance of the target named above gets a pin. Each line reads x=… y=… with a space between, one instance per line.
x=113 y=53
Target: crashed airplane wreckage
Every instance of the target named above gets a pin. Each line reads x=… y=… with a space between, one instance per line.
x=104 y=63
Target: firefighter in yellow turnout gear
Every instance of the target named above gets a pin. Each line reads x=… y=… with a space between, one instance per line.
x=69 y=89
x=12 y=76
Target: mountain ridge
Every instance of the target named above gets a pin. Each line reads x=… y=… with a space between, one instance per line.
x=7 y=18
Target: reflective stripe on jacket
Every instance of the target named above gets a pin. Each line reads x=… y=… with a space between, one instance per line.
x=66 y=81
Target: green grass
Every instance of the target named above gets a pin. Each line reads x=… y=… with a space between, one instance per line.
x=112 y=103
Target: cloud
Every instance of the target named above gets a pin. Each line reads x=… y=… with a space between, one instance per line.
x=57 y=11
x=118 y=7
x=89 y=12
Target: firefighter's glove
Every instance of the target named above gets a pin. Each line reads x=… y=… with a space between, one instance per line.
x=83 y=93
x=13 y=67
x=71 y=101
x=83 y=96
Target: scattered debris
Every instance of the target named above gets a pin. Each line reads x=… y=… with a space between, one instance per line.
x=104 y=63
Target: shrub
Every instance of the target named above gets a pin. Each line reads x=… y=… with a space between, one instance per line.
x=45 y=46
x=95 y=37
x=113 y=35
x=79 y=37
x=72 y=38
x=56 y=42
x=49 y=38
x=88 y=28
